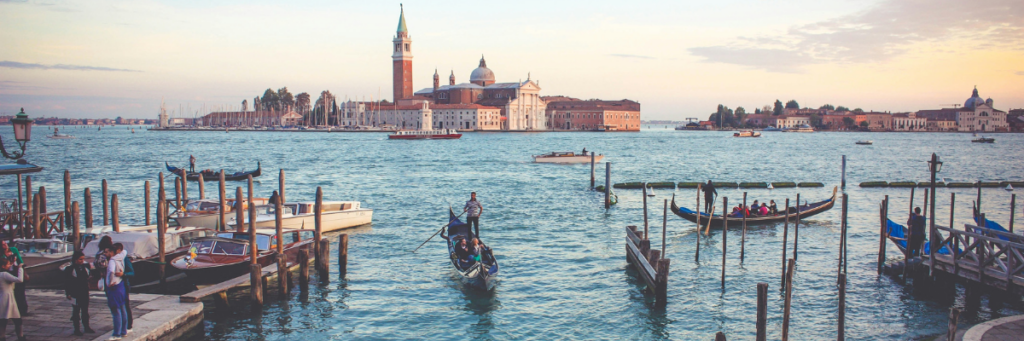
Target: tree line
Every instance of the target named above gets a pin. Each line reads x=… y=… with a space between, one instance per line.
x=726 y=117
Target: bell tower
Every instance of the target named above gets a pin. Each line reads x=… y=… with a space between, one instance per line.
x=437 y=80
x=402 y=61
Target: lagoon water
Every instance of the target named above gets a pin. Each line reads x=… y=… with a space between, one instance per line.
x=564 y=273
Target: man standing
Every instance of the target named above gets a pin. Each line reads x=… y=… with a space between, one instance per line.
x=473 y=217
x=916 y=224
x=191 y=164
x=709 y=196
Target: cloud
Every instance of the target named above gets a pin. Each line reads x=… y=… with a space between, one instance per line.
x=1019 y=73
x=18 y=65
x=630 y=56
x=877 y=34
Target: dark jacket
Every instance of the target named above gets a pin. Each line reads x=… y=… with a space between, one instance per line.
x=129 y=272
x=917 y=224
x=76 y=282
x=709 y=190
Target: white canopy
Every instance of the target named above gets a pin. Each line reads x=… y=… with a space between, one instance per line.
x=138 y=244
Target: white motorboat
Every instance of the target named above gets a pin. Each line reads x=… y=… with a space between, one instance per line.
x=206 y=212
x=803 y=128
x=565 y=157
x=335 y=215
x=865 y=142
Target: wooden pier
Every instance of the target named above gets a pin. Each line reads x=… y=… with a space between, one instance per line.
x=990 y=257
x=651 y=267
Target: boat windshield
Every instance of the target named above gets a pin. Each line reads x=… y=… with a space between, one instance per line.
x=229 y=248
x=202 y=206
x=202 y=246
x=262 y=241
x=42 y=247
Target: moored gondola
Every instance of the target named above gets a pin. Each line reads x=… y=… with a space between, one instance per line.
x=482 y=274
x=213 y=176
x=716 y=220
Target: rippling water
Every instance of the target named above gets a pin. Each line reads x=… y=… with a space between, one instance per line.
x=564 y=272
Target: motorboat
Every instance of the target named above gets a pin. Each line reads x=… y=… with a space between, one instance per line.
x=335 y=215
x=59 y=136
x=984 y=140
x=747 y=133
x=803 y=128
x=865 y=142
x=43 y=258
x=206 y=212
x=440 y=134
x=214 y=259
x=565 y=157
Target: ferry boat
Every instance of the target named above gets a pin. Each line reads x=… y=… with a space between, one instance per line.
x=565 y=157
x=803 y=128
x=747 y=133
x=441 y=134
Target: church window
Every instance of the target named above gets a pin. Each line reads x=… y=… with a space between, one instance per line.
x=406 y=47
x=396 y=47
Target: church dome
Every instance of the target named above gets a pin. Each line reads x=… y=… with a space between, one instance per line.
x=482 y=74
x=989 y=101
x=974 y=101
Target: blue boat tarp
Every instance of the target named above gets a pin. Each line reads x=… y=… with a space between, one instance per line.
x=992 y=225
x=900 y=231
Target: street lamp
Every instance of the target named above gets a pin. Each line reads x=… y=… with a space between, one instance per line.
x=22 y=133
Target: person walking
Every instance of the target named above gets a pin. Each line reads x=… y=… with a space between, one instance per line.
x=8 y=306
x=129 y=273
x=191 y=164
x=916 y=224
x=709 y=196
x=76 y=287
x=474 y=209
x=14 y=256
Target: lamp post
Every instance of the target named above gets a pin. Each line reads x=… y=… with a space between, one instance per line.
x=22 y=133
x=934 y=166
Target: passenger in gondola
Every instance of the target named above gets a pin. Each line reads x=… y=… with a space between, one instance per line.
x=584 y=151
x=736 y=212
x=764 y=210
x=476 y=249
x=462 y=253
x=755 y=208
x=772 y=208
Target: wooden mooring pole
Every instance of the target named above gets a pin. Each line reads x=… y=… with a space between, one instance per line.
x=343 y=255
x=76 y=232
x=664 y=227
x=883 y=234
x=223 y=222
x=979 y=195
x=725 y=229
x=21 y=215
x=256 y=284
x=796 y=230
x=88 y=208
x=1013 y=210
x=161 y=230
x=952 y=209
x=607 y=185
x=202 y=186
x=696 y=258
x=104 y=198
x=67 y=198
x=592 y=165
x=303 y=259
x=844 y=173
x=842 y=242
x=789 y=299
x=255 y=270
x=762 y=311
x=177 y=193
x=842 y=307
x=785 y=240
x=147 y=202
x=317 y=253
x=646 y=228
x=116 y=224
x=282 y=259
x=743 y=238
x=954 y=315
x=239 y=211
x=184 y=187
x=325 y=259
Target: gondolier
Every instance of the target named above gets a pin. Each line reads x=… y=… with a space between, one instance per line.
x=473 y=209
x=709 y=196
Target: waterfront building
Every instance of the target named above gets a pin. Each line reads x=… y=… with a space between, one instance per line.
x=791 y=121
x=977 y=114
x=1015 y=119
x=908 y=122
x=233 y=119
x=838 y=122
x=567 y=113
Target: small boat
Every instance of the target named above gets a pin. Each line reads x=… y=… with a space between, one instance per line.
x=441 y=134
x=59 y=136
x=480 y=275
x=650 y=190
x=865 y=142
x=43 y=258
x=984 y=140
x=747 y=133
x=206 y=213
x=335 y=215
x=211 y=260
x=806 y=210
x=803 y=128
x=144 y=251
x=215 y=176
x=565 y=157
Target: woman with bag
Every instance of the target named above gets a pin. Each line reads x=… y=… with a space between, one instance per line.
x=8 y=306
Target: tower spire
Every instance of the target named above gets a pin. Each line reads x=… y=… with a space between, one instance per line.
x=403 y=31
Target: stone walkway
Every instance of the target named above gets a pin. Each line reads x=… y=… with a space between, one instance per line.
x=49 y=317
x=1002 y=329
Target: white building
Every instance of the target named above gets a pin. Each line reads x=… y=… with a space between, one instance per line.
x=909 y=122
x=466 y=116
x=792 y=121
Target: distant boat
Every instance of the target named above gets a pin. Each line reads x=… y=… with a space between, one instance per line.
x=565 y=157
x=650 y=190
x=441 y=134
x=747 y=133
x=803 y=128
x=984 y=140
x=865 y=142
x=59 y=136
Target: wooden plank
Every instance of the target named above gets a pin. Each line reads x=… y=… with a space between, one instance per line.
x=239 y=281
x=647 y=272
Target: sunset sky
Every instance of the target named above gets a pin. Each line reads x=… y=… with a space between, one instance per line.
x=679 y=59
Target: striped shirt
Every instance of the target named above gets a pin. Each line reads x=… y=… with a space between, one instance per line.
x=474 y=208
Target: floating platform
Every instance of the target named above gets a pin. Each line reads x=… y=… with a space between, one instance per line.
x=908 y=184
x=723 y=184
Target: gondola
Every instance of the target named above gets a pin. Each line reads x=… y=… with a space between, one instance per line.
x=716 y=220
x=212 y=176
x=481 y=275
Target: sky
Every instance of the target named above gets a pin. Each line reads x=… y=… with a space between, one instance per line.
x=679 y=59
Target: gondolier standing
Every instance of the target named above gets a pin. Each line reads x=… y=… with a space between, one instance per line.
x=474 y=209
x=709 y=196
x=191 y=164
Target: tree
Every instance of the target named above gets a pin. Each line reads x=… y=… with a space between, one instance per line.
x=858 y=110
x=285 y=100
x=864 y=124
x=778 y=108
x=741 y=116
x=827 y=107
x=723 y=116
x=842 y=109
x=302 y=102
x=792 y=104
x=849 y=122
x=245 y=105
x=757 y=111
x=269 y=100
x=815 y=120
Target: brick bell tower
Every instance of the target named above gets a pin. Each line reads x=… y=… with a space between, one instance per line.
x=402 y=61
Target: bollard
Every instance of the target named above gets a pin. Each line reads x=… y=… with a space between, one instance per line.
x=113 y=214
x=147 y=202
x=88 y=208
x=104 y=193
x=343 y=255
x=789 y=299
x=256 y=284
x=303 y=259
x=762 y=311
x=282 y=274
x=325 y=260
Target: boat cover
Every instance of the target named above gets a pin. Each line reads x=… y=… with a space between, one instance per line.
x=900 y=231
x=138 y=244
x=991 y=225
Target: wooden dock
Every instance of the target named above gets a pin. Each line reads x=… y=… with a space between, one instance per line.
x=651 y=267
x=221 y=289
x=986 y=256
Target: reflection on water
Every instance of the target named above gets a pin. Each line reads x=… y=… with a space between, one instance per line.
x=562 y=254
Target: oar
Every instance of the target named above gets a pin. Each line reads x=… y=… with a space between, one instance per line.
x=438 y=231
x=711 y=215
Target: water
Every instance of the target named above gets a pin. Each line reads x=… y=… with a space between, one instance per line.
x=564 y=274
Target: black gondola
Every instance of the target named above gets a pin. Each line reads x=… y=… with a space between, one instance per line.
x=716 y=220
x=211 y=176
x=480 y=274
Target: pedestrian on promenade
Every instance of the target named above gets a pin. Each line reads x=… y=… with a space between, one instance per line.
x=916 y=224
x=473 y=217
x=709 y=196
x=8 y=306
x=129 y=273
x=114 y=287
x=191 y=164
x=14 y=256
x=76 y=288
